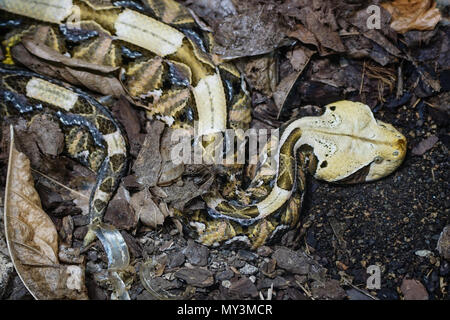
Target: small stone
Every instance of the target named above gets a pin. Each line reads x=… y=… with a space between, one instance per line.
x=443 y=245
x=247 y=255
x=238 y=263
x=214 y=266
x=164 y=284
x=134 y=246
x=425 y=145
x=225 y=275
x=330 y=290
x=48 y=135
x=6 y=271
x=248 y=269
x=80 y=220
x=226 y=283
x=196 y=254
x=197 y=277
x=423 y=253
x=292 y=261
x=121 y=215
x=444 y=269
x=244 y=288
x=176 y=259
x=264 y=251
x=19 y=291
x=80 y=232
x=92 y=256
x=92 y=267
x=413 y=290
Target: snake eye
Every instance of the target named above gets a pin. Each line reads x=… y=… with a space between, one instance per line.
x=378 y=159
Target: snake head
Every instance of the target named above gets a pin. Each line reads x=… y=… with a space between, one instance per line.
x=350 y=145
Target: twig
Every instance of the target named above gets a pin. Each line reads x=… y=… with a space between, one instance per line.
x=362 y=78
x=400 y=80
x=307 y=292
x=360 y=290
x=60 y=184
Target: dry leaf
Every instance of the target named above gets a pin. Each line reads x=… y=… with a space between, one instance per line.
x=304 y=35
x=148 y=163
x=44 y=52
x=147 y=211
x=44 y=60
x=324 y=34
x=32 y=237
x=425 y=145
x=413 y=14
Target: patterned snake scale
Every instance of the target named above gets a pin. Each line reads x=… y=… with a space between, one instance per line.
x=168 y=68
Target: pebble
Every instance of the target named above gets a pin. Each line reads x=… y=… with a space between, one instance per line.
x=247 y=255
x=238 y=263
x=80 y=220
x=413 y=290
x=244 y=288
x=226 y=283
x=176 y=259
x=6 y=271
x=329 y=290
x=159 y=282
x=444 y=269
x=264 y=251
x=80 y=232
x=121 y=215
x=423 y=253
x=196 y=254
x=443 y=245
x=19 y=291
x=292 y=261
x=196 y=276
x=225 y=275
x=248 y=269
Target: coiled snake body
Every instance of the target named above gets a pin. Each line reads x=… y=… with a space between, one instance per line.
x=169 y=68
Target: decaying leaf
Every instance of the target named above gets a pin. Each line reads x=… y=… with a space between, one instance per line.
x=148 y=163
x=413 y=14
x=253 y=32
x=425 y=145
x=262 y=73
x=146 y=209
x=44 y=60
x=33 y=240
x=324 y=33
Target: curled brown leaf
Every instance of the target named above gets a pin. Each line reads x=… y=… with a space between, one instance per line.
x=33 y=240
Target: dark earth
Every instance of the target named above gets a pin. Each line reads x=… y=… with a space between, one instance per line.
x=394 y=223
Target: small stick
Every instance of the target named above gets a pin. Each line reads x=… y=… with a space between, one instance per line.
x=362 y=78
x=60 y=184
